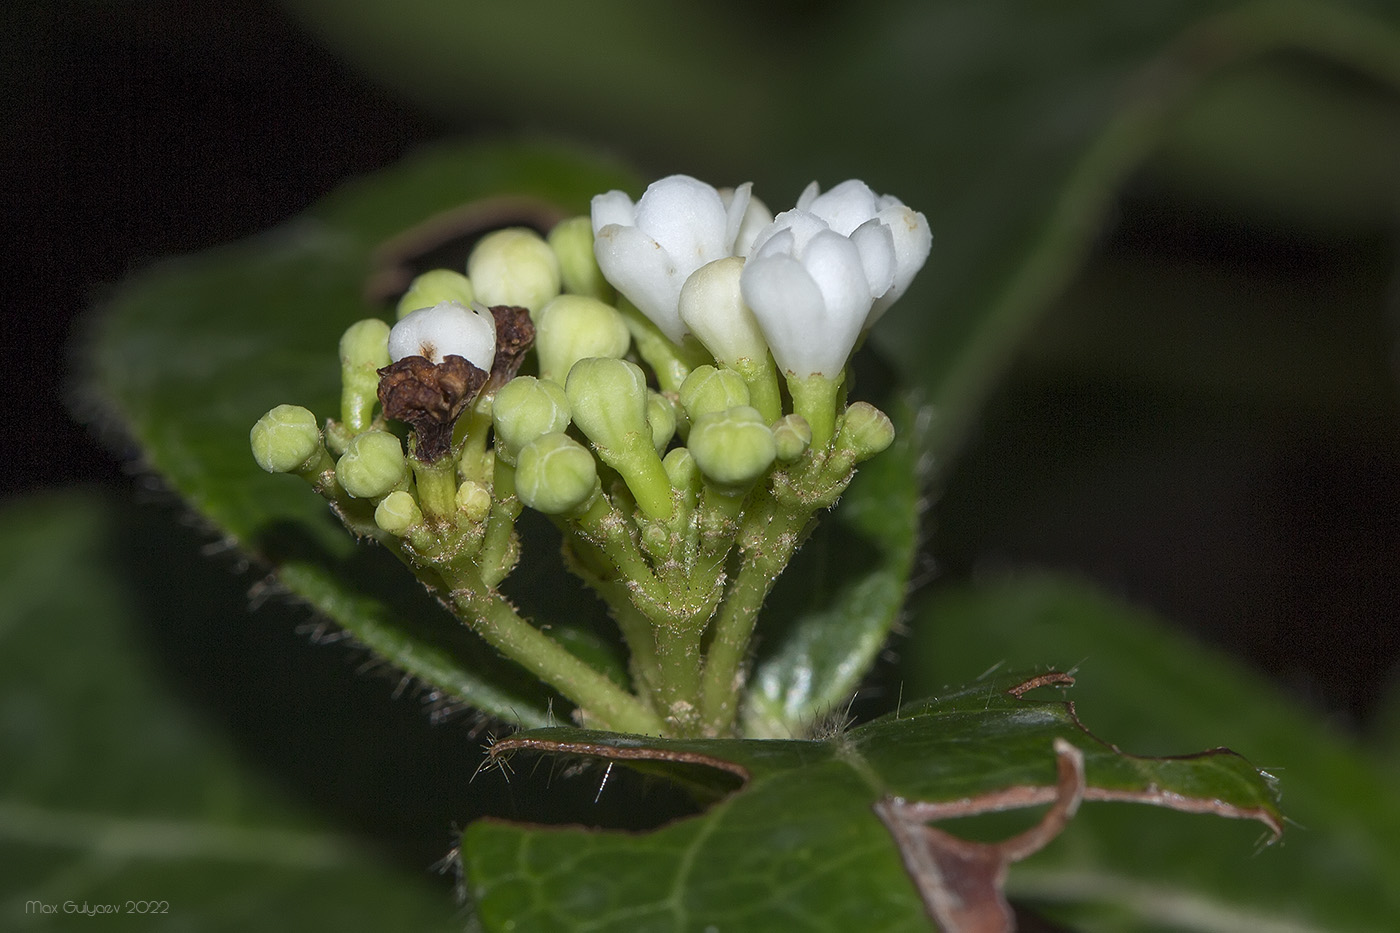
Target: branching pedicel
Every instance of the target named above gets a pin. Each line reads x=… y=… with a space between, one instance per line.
x=654 y=430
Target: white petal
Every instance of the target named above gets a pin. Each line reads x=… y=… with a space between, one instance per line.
x=808 y=195
x=789 y=308
x=834 y=264
x=615 y=207
x=875 y=244
x=446 y=329
x=640 y=269
x=846 y=206
x=736 y=206
x=756 y=218
x=912 y=239
x=800 y=227
x=712 y=307
x=687 y=218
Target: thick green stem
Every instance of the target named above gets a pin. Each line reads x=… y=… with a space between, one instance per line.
x=770 y=536
x=605 y=705
x=437 y=487
x=680 y=661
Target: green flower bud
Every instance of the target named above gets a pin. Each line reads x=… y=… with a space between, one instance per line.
x=286 y=439
x=397 y=513
x=608 y=398
x=793 y=435
x=708 y=390
x=524 y=409
x=734 y=447
x=684 y=474
x=555 y=474
x=864 y=431
x=572 y=242
x=373 y=465
x=474 y=501
x=364 y=350
x=661 y=417
x=574 y=327
x=433 y=288
x=513 y=267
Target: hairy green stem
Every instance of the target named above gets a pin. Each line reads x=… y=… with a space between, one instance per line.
x=770 y=536
x=604 y=703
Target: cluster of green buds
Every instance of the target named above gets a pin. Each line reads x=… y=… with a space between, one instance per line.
x=681 y=420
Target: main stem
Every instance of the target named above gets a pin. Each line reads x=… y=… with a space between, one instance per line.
x=770 y=537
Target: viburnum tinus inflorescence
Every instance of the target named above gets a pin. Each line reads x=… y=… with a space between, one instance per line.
x=682 y=419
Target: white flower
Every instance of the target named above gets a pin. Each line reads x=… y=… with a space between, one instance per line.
x=850 y=206
x=446 y=329
x=809 y=287
x=647 y=250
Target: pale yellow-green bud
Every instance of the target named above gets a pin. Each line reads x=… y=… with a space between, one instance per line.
x=572 y=242
x=734 y=447
x=373 y=465
x=661 y=417
x=684 y=474
x=286 y=439
x=474 y=501
x=513 y=267
x=555 y=474
x=364 y=350
x=608 y=398
x=397 y=513
x=433 y=288
x=575 y=327
x=864 y=431
x=793 y=435
x=708 y=389
x=524 y=409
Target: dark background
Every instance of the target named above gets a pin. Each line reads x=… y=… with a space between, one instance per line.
x=138 y=131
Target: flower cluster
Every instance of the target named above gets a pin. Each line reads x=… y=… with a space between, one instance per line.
x=650 y=422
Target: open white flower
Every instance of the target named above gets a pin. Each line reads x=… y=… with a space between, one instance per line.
x=648 y=249
x=852 y=205
x=810 y=288
x=446 y=329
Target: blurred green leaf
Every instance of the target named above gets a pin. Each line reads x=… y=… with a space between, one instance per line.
x=799 y=842
x=1156 y=690
x=116 y=790
x=193 y=351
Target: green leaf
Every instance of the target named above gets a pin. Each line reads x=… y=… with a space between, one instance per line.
x=1337 y=869
x=118 y=791
x=799 y=843
x=831 y=613
x=193 y=351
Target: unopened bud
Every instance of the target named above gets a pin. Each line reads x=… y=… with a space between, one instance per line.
x=608 y=398
x=286 y=439
x=712 y=306
x=572 y=242
x=575 y=327
x=526 y=408
x=364 y=348
x=864 y=431
x=514 y=267
x=474 y=501
x=555 y=474
x=397 y=513
x=708 y=389
x=372 y=466
x=684 y=474
x=661 y=418
x=793 y=436
x=435 y=287
x=734 y=447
